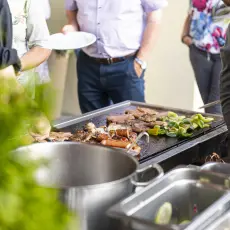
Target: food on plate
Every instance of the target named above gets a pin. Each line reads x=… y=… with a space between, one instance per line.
x=164 y=214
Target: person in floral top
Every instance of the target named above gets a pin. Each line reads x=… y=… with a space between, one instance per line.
x=204 y=33
x=30 y=39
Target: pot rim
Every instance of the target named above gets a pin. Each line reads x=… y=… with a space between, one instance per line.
x=84 y=144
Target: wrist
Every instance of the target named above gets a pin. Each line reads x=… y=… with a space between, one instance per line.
x=141 y=63
x=185 y=36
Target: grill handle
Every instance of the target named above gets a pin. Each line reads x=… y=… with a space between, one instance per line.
x=160 y=172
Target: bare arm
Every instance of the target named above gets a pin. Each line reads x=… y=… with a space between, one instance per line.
x=186 y=26
x=72 y=18
x=151 y=34
x=185 y=38
x=37 y=37
x=34 y=57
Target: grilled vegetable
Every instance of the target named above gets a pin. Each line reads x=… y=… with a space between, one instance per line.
x=180 y=126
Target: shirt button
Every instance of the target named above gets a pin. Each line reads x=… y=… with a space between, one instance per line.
x=99 y=7
x=98 y=23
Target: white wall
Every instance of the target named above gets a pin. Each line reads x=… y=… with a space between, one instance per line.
x=169 y=78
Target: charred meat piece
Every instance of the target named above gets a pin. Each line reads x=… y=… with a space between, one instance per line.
x=60 y=136
x=147 y=111
x=90 y=127
x=120 y=138
x=81 y=136
x=136 y=113
x=122 y=132
x=139 y=126
x=136 y=149
x=148 y=118
x=102 y=136
x=116 y=143
x=160 y=123
x=132 y=136
x=120 y=119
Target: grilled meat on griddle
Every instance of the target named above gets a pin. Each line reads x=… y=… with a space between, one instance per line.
x=139 y=126
x=136 y=113
x=148 y=118
x=60 y=136
x=147 y=111
x=120 y=119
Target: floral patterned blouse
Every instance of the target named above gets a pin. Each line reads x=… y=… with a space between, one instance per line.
x=29 y=30
x=209 y=22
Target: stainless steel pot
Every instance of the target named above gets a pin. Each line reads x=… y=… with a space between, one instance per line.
x=91 y=178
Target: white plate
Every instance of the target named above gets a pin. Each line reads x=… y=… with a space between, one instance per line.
x=70 y=41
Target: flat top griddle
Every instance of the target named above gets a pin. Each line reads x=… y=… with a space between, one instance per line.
x=157 y=144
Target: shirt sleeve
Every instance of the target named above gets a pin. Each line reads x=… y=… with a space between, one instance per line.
x=152 y=5
x=37 y=29
x=225 y=79
x=70 y=5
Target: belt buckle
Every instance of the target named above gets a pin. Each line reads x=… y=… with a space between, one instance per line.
x=110 y=60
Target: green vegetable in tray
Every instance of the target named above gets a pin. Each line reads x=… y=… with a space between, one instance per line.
x=181 y=126
x=185 y=222
x=164 y=214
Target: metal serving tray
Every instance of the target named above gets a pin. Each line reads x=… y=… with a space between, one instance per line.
x=189 y=190
x=222 y=223
x=157 y=144
x=215 y=217
x=222 y=168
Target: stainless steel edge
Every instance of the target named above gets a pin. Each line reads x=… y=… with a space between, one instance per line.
x=90 y=115
x=95 y=113
x=183 y=147
x=210 y=104
x=208 y=216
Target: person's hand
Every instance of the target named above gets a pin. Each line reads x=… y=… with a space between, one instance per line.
x=187 y=40
x=68 y=28
x=137 y=68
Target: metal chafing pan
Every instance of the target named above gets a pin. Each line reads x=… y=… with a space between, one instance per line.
x=223 y=223
x=222 y=168
x=216 y=217
x=189 y=190
x=157 y=145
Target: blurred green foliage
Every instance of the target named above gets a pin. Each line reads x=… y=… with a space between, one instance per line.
x=23 y=204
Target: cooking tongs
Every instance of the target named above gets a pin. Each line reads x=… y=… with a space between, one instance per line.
x=210 y=104
x=129 y=150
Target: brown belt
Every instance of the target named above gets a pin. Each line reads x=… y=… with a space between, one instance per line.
x=108 y=61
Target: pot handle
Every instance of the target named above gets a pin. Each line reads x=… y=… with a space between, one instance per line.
x=144 y=184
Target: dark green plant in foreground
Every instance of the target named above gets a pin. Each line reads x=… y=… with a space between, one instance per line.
x=23 y=204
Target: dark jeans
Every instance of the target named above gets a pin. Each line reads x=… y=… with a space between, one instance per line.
x=207 y=73
x=99 y=84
